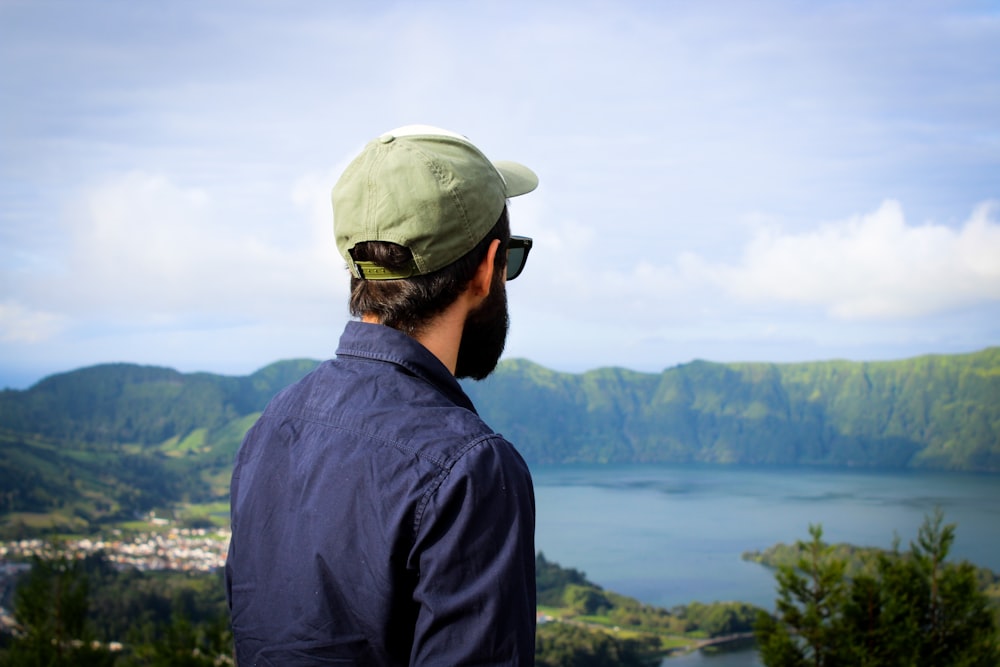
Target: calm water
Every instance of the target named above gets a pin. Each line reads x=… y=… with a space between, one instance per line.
x=669 y=535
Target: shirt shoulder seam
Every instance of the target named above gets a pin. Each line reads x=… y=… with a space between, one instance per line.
x=446 y=470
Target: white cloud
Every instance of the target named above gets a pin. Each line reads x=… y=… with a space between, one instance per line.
x=872 y=266
x=143 y=249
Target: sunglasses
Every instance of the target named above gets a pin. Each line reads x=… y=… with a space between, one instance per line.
x=517 y=255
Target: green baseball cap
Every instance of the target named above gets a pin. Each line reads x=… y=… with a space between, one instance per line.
x=424 y=188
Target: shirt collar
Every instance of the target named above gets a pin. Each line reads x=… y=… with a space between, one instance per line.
x=378 y=342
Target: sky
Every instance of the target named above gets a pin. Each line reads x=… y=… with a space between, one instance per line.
x=730 y=181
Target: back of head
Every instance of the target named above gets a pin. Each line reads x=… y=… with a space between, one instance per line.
x=414 y=213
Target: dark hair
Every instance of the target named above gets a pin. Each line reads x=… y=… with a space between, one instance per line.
x=409 y=304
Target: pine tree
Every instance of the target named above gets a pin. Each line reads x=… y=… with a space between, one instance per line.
x=810 y=601
x=51 y=608
x=905 y=609
x=920 y=609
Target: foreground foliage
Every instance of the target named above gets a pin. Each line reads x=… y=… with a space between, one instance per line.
x=85 y=612
x=892 y=608
x=565 y=645
x=899 y=608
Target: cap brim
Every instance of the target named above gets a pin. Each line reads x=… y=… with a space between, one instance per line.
x=518 y=179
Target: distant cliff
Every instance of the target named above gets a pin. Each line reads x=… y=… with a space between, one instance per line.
x=110 y=440
x=940 y=412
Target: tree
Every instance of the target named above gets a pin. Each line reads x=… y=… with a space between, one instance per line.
x=811 y=593
x=720 y=618
x=912 y=608
x=585 y=599
x=919 y=609
x=51 y=608
x=564 y=645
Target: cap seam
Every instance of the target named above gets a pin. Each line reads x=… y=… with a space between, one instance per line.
x=370 y=226
x=460 y=204
x=437 y=171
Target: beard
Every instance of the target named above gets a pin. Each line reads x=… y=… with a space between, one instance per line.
x=484 y=335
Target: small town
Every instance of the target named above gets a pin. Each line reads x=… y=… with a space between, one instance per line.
x=188 y=549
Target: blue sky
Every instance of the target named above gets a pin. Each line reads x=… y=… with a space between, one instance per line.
x=732 y=181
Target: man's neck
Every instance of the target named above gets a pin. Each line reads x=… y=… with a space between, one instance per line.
x=442 y=336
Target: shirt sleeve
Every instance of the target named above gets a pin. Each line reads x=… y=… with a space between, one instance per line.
x=475 y=557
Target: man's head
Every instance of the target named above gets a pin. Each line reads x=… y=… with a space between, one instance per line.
x=415 y=215
x=426 y=189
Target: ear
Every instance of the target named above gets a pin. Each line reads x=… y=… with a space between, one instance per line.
x=483 y=279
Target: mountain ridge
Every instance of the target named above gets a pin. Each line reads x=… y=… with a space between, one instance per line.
x=113 y=439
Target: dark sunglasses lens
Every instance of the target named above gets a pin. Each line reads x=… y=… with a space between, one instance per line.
x=515 y=262
x=517 y=255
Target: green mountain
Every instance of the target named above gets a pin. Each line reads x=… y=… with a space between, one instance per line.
x=113 y=440
x=935 y=412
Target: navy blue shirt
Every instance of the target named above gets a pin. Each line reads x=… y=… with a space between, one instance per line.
x=377 y=520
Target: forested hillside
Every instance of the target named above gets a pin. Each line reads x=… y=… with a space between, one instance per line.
x=111 y=440
x=937 y=412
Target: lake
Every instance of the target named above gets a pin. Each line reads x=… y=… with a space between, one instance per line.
x=672 y=534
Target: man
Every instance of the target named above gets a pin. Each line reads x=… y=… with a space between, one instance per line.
x=376 y=519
